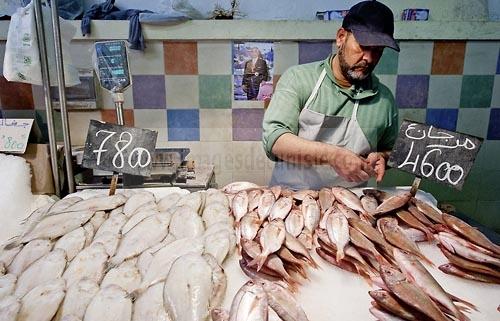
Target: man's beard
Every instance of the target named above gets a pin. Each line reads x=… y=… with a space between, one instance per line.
x=349 y=72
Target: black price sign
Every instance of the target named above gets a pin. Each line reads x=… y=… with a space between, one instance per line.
x=120 y=149
x=434 y=153
x=112 y=65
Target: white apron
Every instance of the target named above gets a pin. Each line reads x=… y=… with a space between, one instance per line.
x=334 y=130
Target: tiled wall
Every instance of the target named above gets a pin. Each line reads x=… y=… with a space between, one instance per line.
x=184 y=91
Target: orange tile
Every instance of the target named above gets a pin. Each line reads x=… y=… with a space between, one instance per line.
x=448 y=58
x=181 y=58
x=109 y=116
x=15 y=95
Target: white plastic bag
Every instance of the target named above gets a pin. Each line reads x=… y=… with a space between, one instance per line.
x=22 y=59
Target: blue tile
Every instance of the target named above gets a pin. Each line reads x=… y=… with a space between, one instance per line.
x=412 y=91
x=494 y=127
x=183 y=124
x=314 y=51
x=149 y=92
x=442 y=118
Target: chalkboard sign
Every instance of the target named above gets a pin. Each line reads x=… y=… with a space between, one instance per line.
x=434 y=153
x=120 y=149
x=14 y=134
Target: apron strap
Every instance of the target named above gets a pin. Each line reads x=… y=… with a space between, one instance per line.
x=315 y=90
x=355 y=111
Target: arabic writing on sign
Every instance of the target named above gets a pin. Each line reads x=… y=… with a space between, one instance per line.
x=453 y=142
x=14 y=123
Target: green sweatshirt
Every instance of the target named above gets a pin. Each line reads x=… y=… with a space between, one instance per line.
x=377 y=112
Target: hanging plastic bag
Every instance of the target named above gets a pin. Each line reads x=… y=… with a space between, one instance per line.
x=22 y=58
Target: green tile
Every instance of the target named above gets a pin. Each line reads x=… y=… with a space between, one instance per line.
x=473 y=121
x=487 y=214
x=388 y=64
x=415 y=114
x=488 y=156
x=415 y=57
x=489 y=187
x=467 y=208
x=215 y=91
x=476 y=91
x=440 y=84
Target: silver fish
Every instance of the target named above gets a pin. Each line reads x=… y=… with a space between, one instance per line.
x=41 y=303
x=94 y=204
x=281 y=208
x=283 y=302
x=271 y=239
x=239 y=205
x=326 y=199
x=7 y=285
x=337 y=228
x=111 y=304
x=77 y=299
x=266 y=202
x=196 y=201
x=254 y=199
x=348 y=198
x=249 y=304
x=169 y=201
x=219 y=282
x=72 y=243
x=216 y=196
x=63 y=204
x=47 y=268
x=369 y=203
x=186 y=222
x=126 y=276
x=29 y=254
x=137 y=201
x=455 y=246
x=138 y=217
x=294 y=222
x=9 y=308
x=149 y=305
x=89 y=263
x=235 y=187
x=249 y=225
x=216 y=212
x=113 y=225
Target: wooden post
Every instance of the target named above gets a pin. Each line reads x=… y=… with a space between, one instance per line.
x=415 y=185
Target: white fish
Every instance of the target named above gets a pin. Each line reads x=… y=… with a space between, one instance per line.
x=137 y=201
x=249 y=304
x=126 y=276
x=71 y=317
x=337 y=228
x=77 y=299
x=109 y=240
x=41 y=303
x=326 y=199
x=239 y=205
x=111 y=304
x=195 y=201
x=147 y=233
x=220 y=244
x=168 y=201
x=219 y=282
x=311 y=213
x=271 y=239
x=145 y=258
x=9 y=308
x=216 y=212
x=54 y=226
x=149 y=305
x=188 y=288
x=7 y=285
x=72 y=243
x=235 y=187
x=103 y=203
x=89 y=263
x=163 y=259
x=3 y=269
x=294 y=222
x=35 y=217
x=47 y=268
x=249 y=225
x=266 y=202
x=98 y=218
x=281 y=208
x=216 y=196
x=254 y=199
x=186 y=223
x=89 y=233
x=29 y=254
x=62 y=204
x=118 y=210
x=113 y=225
x=138 y=217
x=8 y=253
x=283 y=302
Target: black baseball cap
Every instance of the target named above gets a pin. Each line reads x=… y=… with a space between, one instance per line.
x=372 y=24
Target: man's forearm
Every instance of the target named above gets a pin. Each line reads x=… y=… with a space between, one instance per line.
x=294 y=149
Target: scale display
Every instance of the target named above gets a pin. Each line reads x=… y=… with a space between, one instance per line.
x=112 y=65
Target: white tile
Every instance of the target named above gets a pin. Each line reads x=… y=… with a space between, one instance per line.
x=79 y=125
x=248 y=156
x=219 y=154
x=389 y=81
x=147 y=62
x=216 y=125
x=481 y=57
x=162 y=138
x=214 y=57
x=256 y=177
x=248 y=104
x=182 y=92
x=415 y=57
x=150 y=118
x=444 y=91
x=495 y=99
x=286 y=54
x=223 y=178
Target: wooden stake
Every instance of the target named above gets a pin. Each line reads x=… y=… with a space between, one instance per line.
x=415 y=185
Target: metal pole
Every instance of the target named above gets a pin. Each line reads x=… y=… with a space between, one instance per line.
x=46 y=88
x=118 y=99
x=62 y=96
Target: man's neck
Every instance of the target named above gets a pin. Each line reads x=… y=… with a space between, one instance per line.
x=337 y=73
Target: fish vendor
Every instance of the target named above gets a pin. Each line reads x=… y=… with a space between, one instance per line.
x=332 y=122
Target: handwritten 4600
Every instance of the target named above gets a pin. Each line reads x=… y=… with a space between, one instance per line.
x=142 y=159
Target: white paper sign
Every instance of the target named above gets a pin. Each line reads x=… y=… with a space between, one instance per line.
x=14 y=133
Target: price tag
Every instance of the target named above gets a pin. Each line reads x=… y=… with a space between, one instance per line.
x=112 y=65
x=119 y=149
x=434 y=153
x=14 y=134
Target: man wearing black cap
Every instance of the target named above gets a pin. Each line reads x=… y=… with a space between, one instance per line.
x=332 y=122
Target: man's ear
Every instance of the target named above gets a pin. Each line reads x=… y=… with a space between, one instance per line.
x=341 y=37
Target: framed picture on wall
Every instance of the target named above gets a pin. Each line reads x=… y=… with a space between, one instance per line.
x=253 y=66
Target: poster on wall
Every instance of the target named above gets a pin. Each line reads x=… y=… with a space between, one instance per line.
x=253 y=65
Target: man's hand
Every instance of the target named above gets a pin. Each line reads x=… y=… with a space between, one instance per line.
x=377 y=163
x=350 y=166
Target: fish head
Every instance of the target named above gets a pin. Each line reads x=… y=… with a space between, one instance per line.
x=391 y=275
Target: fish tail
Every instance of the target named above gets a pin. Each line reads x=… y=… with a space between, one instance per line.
x=259 y=261
x=425 y=259
x=466 y=303
x=340 y=254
